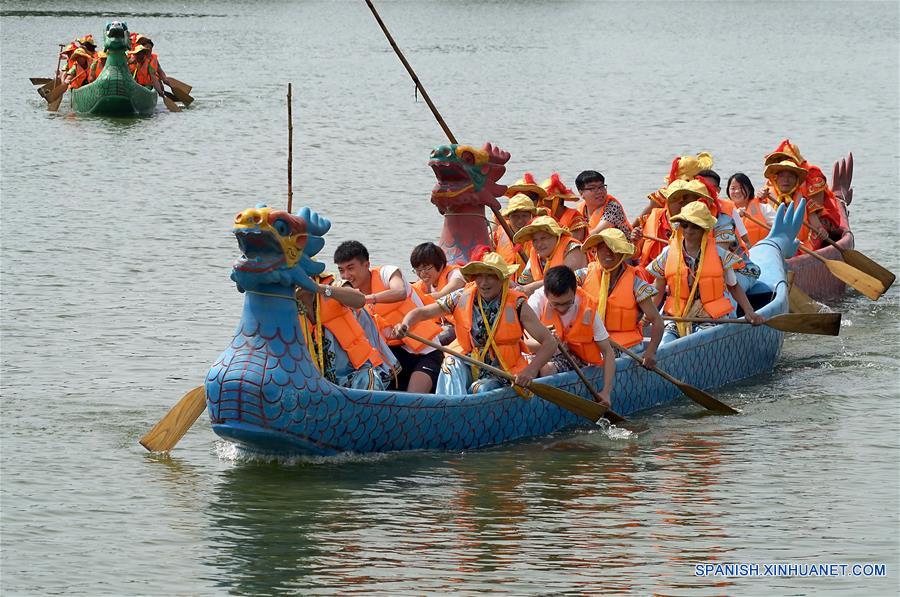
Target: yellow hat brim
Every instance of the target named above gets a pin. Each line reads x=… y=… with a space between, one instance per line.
x=525 y=188
x=479 y=267
x=527 y=232
x=622 y=247
x=785 y=165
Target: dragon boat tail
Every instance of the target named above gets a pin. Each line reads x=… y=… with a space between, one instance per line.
x=265 y=393
x=114 y=92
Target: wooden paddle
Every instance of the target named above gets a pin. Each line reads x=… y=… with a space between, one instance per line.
x=40 y=80
x=609 y=415
x=182 y=87
x=180 y=95
x=799 y=301
x=696 y=394
x=171 y=105
x=861 y=281
x=822 y=324
x=54 y=98
x=172 y=427
x=865 y=264
x=588 y=409
x=500 y=219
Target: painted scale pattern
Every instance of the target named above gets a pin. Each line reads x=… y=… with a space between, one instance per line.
x=114 y=92
x=265 y=393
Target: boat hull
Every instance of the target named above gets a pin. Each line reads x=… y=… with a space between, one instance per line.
x=302 y=414
x=811 y=275
x=114 y=93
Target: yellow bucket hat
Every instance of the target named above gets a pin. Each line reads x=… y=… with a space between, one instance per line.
x=526 y=184
x=137 y=50
x=539 y=224
x=685 y=187
x=519 y=202
x=614 y=238
x=785 y=165
x=696 y=213
x=687 y=167
x=491 y=263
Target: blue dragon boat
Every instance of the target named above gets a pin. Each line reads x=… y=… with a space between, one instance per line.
x=265 y=393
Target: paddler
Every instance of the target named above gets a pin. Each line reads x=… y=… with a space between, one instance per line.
x=518 y=213
x=141 y=39
x=436 y=278
x=727 y=217
x=490 y=320
x=388 y=297
x=551 y=245
x=529 y=187
x=555 y=203
x=658 y=224
x=599 y=208
x=786 y=181
x=684 y=167
x=622 y=295
x=576 y=321
x=141 y=67
x=67 y=54
x=97 y=66
x=697 y=274
x=77 y=75
x=342 y=337
x=740 y=192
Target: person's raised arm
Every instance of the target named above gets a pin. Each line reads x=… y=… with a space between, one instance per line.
x=415 y=316
x=345 y=295
x=394 y=294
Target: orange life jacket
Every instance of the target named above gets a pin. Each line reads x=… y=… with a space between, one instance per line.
x=711 y=286
x=80 y=77
x=657 y=225
x=571 y=219
x=95 y=69
x=622 y=310
x=342 y=323
x=442 y=280
x=508 y=332
x=391 y=314
x=594 y=218
x=507 y=249
x=558 y=257
x=141 y=71
x=755 y=232
x=728 y=208
x=579 y=337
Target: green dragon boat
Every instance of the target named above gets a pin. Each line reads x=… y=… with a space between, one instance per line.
x=114 y=92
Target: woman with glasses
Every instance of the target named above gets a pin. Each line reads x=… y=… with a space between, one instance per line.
x=436 y=278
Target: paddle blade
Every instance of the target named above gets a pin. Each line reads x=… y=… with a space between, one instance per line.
x=859 y=280
x=40 y=80
x=181 y=96
x=588 y=409
x=172 y=427
x=866 y=265
x=705 y=400
x=171 y=105
x=54 y=98
x=822 y=324
x=800 y=302
x=183 y=87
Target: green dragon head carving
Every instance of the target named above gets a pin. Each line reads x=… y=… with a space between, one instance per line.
x=116 y=36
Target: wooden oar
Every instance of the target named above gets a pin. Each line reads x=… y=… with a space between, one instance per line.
x=822 y=324
x=172 y=427
x=865 y=264
x=588 y=409
x=183 y=87
x=54 y=98
x=40 y=80
x=861 y=281
x=610 y=415
x=799 y=301
x=695 y=394
x=180 y=95
x=171 y=105
x=500 y=219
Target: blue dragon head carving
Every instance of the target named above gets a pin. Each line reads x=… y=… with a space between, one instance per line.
x=116 y=36
x=277 y=247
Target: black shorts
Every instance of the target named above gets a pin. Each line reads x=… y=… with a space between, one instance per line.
x=430 y=364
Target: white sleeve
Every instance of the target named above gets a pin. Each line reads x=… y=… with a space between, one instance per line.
x=388 y=271
x=739 y=224
x=455 y=275
x=768 y=213
x=537 y=301
x=600 y=333
x=730 y=278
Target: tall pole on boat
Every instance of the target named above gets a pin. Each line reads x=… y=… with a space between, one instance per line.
x=290 y=164
x=500 y=219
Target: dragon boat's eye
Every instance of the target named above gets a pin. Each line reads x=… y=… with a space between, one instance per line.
x=468 y=157
x=257 y=219
x=282 y=227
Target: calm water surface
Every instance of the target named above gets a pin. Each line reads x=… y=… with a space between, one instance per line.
x=116 y=252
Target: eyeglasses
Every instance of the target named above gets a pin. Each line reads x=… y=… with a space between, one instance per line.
x=594 y=188
x=421 y=271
